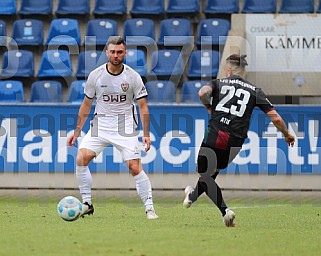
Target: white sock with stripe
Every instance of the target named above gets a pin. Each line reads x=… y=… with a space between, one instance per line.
x=144 y=189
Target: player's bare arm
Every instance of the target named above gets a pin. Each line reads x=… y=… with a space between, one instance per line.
x=205 y=94
x=83 y=114
x=281 y=126
x=144 y=116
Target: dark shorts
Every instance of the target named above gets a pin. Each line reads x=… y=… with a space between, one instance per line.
x=211 y=159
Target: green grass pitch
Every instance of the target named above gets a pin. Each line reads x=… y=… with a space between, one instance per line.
x=119 y=227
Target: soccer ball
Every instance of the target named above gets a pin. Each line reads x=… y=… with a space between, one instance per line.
x=69 y=208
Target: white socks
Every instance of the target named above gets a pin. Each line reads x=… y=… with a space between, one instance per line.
x=144 y=189
x=143 y=186
x=84 y=179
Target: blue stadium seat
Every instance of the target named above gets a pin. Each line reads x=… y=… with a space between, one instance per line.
x=219 y=6
x=212 y=32
x=46 y=91
x=11 y=91
x=8 y=7
x=3 y=33
x=183 y=7
x=67 y=7
x=161 y=91
x=76 y=91
x=88 y=61
x=27 y=32
x=150 y=7
x=166 y=63
x=63 y=32
x=17 y=63
x=189 y=91
x=55 y=63
x=175 y=32
x=319 y=7
x=203 y=64
x=297 y=6
x=136 y=59
x=139 y=32
x=99 y=30
x=118 y=7
x=259 y=6
x=31 y=7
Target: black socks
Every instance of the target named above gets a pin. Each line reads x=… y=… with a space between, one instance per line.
x=212 y=190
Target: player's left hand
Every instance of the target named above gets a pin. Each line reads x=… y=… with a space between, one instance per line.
x=146 y=143
x=290 y=139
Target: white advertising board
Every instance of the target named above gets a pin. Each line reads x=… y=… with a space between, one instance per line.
x=284 y=43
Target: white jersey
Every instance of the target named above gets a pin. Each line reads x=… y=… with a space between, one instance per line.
x=115 y=95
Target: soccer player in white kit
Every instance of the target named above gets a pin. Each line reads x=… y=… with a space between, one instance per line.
x=114 y=86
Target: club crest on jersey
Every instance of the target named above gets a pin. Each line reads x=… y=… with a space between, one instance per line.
x=124 y=87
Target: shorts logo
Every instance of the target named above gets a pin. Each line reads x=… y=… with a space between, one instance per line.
x=136 y=150
x=124 y=87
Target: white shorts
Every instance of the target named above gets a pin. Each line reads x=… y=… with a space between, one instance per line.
x=129 y=147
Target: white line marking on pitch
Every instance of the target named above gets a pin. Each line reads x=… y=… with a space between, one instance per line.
x=259 y=206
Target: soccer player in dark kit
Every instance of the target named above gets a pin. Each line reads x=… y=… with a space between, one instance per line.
x=230 y=102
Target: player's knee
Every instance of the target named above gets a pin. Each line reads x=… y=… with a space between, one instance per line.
x=83 y=159
x=134 y=170
x=80 y=161
x=134 y=167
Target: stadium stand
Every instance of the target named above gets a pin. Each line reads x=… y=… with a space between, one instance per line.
x=88 y=61
x=76 y=92
x=135 y=58
x=46 y=91
x=17 y=63
x=175 y=32
x=11 y=91
x=139 y=32
x=259 y=6
x=27 y=32
x=110 y=7
x=297 y=6
x=98 y=31
x=189 y=91
x=219 y=7
x=161 y=91
x=72 y=7
x=156 y=8
x=8 y=7
x=55 y=63
x=203 y=64
x=185 y=7
x=166 y=64
x=212 y=32
x=32 y=7
x=64 y=31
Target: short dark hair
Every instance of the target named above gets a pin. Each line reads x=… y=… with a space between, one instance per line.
x=116 y=40
x=237 y=60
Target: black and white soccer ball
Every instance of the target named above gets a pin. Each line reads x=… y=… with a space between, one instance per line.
x=69 y=208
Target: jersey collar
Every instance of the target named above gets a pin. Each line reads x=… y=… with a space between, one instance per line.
x=112 y=73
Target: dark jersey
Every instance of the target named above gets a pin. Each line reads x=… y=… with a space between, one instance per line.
x=232 y=105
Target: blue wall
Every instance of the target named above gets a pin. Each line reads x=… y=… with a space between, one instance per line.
x=33 y=139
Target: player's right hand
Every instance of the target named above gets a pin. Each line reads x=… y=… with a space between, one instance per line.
x=72 y=140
